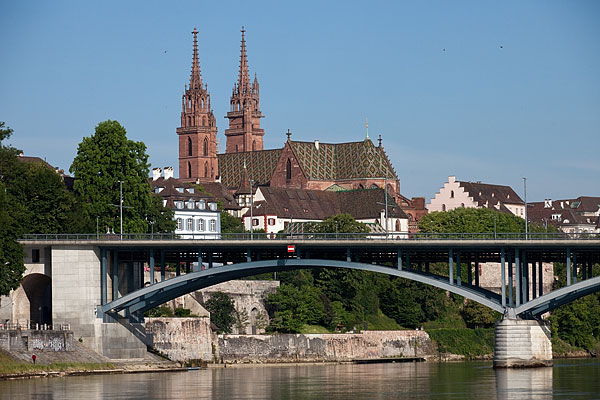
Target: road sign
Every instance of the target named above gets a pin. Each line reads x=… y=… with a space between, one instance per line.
x=291 y=248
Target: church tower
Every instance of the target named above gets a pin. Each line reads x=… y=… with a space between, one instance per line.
x=198 y=131
x=244 y=133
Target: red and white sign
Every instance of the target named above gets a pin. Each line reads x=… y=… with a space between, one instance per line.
x=291 y=248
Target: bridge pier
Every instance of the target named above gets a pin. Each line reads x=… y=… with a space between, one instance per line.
x=522 y=343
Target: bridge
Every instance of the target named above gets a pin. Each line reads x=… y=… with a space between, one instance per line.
x=121 y=291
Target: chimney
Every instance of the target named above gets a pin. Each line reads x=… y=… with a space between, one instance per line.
x=168 y=172
x=156 y=173
x=548 y=203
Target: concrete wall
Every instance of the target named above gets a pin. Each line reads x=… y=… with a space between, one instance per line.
x=324 y=347
x=182 y=339
x=30 y=340
x=490 y=278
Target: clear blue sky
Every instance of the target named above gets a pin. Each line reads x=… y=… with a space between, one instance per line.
x=483 y=90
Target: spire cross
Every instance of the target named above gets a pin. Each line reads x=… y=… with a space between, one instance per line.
x=367 y=125
x=379 y=140
x=288 y=133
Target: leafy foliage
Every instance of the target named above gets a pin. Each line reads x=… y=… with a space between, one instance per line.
x=471 y=220
x=222 y=311
x=105 y=159
x=11 y=251
x=231 y=224
x=478 y=316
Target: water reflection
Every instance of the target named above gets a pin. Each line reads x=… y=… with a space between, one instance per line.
x=464 y=380
x=524 y=383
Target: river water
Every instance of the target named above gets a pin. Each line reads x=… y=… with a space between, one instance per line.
x=568 y=379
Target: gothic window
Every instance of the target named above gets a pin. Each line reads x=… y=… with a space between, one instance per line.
x=288 y=170
x=452 y=194
x=254 y=145
x=189 y=146
x=205 y=147
x=203 y=121
x=374 y=186
x=236 y=148
x=443 y=207
x=189 y=169
x=205 y=168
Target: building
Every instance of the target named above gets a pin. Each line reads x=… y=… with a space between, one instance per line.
x=580 y=215
x=196 y=211
x=244 y=133
x=245 y=165
x=198 y=131
x=276 y=209
x=459 y=194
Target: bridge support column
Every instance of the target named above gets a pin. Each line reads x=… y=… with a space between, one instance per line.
x=502 y=277
x=199 y=261
x=151 y=266
x=458 y=277
x=103 y=285
x=470 y=273
x=525 y=278
x=574 y=267
x=533 y=281
x=477 y=270
x=115 y=277
x=162 y=265
x=522 y=343
x=590 y=270
x=518 y=276
x=399 y=260
x=568 y=267
x=511 y=299
x=541 y=278
x=450 y=267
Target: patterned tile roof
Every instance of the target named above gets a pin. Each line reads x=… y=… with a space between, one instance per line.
x=326 y=161
x=259 y=164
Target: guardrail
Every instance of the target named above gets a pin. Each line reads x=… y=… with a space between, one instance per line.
x=30 y=325
x=313 y=236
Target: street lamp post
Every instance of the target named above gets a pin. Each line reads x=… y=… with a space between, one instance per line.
x=525 y=193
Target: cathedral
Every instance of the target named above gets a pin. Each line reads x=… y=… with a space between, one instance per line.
x=297 y=165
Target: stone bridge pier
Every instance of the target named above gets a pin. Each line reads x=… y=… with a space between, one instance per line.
x=521 y=343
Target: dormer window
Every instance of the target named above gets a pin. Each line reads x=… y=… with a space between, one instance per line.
x=179 y=204
x=191 y=190
x=179 y=189
x=190 y=204
x=212 y=206
x=201 y=205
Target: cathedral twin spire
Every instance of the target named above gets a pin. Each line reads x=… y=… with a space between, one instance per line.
x=198 y=131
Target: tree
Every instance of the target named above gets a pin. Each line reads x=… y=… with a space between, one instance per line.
x=222 y=311
x=103 y=161
x=477 y=315
x=231 y=224
x=241 y=320
x=12 y=266
x=471 y=220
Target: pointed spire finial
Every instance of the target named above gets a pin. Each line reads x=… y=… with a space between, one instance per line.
x=367 y=125
x=244 y=79
x=379 y=140
x=196 y=77
x=288 y=133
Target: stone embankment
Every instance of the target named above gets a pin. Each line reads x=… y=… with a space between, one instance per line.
x=185 y=339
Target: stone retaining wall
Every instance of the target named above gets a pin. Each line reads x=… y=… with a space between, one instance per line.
x=324 y=347
x=31 y=340
x=182 y=339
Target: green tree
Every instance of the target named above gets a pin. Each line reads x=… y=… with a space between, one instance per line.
x=222 y=311
x=471 y=220
x=105 y=159
x=231 y=224
x=11 y=251
x=477 y=315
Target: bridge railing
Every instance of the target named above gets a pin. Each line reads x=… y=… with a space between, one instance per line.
x=392 y=236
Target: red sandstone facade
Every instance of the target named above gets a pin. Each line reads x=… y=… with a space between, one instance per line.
x=244 y=133
x=198 y=131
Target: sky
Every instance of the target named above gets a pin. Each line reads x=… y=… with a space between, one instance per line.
x=489 y=91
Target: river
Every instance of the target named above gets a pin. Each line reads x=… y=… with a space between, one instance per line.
x=568 y=379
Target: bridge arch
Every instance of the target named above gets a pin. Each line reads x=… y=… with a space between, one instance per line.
x=33 y=300
x=149 y=297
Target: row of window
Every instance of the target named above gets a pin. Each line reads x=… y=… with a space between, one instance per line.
x=191 y=204
x=198 y=225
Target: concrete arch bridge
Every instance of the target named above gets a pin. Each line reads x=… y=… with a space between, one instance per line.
x=115 y=267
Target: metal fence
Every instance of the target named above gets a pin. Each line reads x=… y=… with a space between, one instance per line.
x=313 y=236
x=30 y=325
